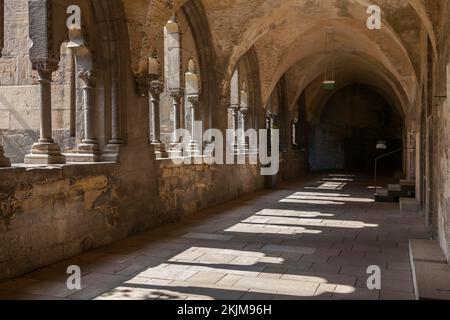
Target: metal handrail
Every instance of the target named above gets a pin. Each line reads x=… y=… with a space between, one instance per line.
x=376 y=164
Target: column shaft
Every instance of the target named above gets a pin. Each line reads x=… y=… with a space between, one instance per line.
x=45 y=107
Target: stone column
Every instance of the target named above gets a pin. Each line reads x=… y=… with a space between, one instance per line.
x=88 y=150
x=234 y=109
x=116 y=132
x=175 y=149
x=192 y=84
x=2 y=24
x=111 y=151
x=46 y=151
x=194 y=147
x=155 y=89
x=4 y=161
x=243 y=112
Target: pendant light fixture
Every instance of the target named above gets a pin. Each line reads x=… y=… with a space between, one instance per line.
x=329 y=83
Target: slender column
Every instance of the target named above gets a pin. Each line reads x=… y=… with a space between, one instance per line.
x=175 y=146
x=243 y=111
x=88 y=150
x=4 y=161
x=155 y=89
x=193 y=148
x=2 y=24
x=192 y=84
x=116 y=132
x=46 y=151
x=234 y=109
x=88 y=80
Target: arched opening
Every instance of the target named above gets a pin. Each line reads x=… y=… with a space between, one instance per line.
x=357 y=124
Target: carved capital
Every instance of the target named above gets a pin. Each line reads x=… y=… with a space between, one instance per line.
x=155 y=88
x=141 y=80
x=193 y=100
x=88 y=77
x=45 y=65
x=177 y=94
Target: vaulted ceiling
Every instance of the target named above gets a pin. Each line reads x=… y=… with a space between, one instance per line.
x=289 y=38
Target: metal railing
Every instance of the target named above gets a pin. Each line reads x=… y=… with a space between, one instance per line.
x=376 y=165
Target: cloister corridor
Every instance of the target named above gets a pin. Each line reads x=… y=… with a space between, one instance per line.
x=308 y=239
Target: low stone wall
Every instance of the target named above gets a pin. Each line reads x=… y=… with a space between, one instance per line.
x=185 y=189
x=50 y=214
x=47 y=215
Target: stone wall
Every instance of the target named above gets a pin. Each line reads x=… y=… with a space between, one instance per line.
x=49 y=214
x=440 y=202
x=185 y=189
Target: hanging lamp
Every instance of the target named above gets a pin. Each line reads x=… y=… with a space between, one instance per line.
x=329 y=83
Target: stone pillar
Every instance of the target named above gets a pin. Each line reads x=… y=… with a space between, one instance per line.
x=2 y=24
x=4 y=161
x=88 y=150
x=192 y=83
x=243 y=113
x=116 y=130
x=175 y=149
x=111 y=151
x=155 y=89
x=194 y=146
x=234 y=109
x=46 y=151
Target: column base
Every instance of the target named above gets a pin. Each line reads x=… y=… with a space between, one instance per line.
x=4 y=161
x=160 y=150
x=44 y=154
x=85 y=153
x=210 y=149
x=244 y=148
x=236 y=149
x=193 y=149
x=111 y=152
x=175 y=150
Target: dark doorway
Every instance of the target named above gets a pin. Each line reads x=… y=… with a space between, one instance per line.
x=354 y=122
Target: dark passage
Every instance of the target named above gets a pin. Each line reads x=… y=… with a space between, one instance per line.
x=354 y=121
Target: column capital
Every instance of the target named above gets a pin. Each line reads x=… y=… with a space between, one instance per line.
x=155 y=88
x=176 y=93
x=45 y=66
x=88 y=78
x=193 y=100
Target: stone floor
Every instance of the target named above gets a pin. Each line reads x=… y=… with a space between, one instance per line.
x=310 y=239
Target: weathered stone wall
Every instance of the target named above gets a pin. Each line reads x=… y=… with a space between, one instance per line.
x=441 y=177
x=185 y=189
x=47 y=215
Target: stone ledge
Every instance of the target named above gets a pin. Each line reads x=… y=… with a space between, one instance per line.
x=19 y=174
x=431 y=273
x=169 y=163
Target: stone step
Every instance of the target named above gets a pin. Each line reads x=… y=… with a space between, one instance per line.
x=409 y=205
x=383 y=195
x=431 y=273
x=409 y=185
x=397 y=191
